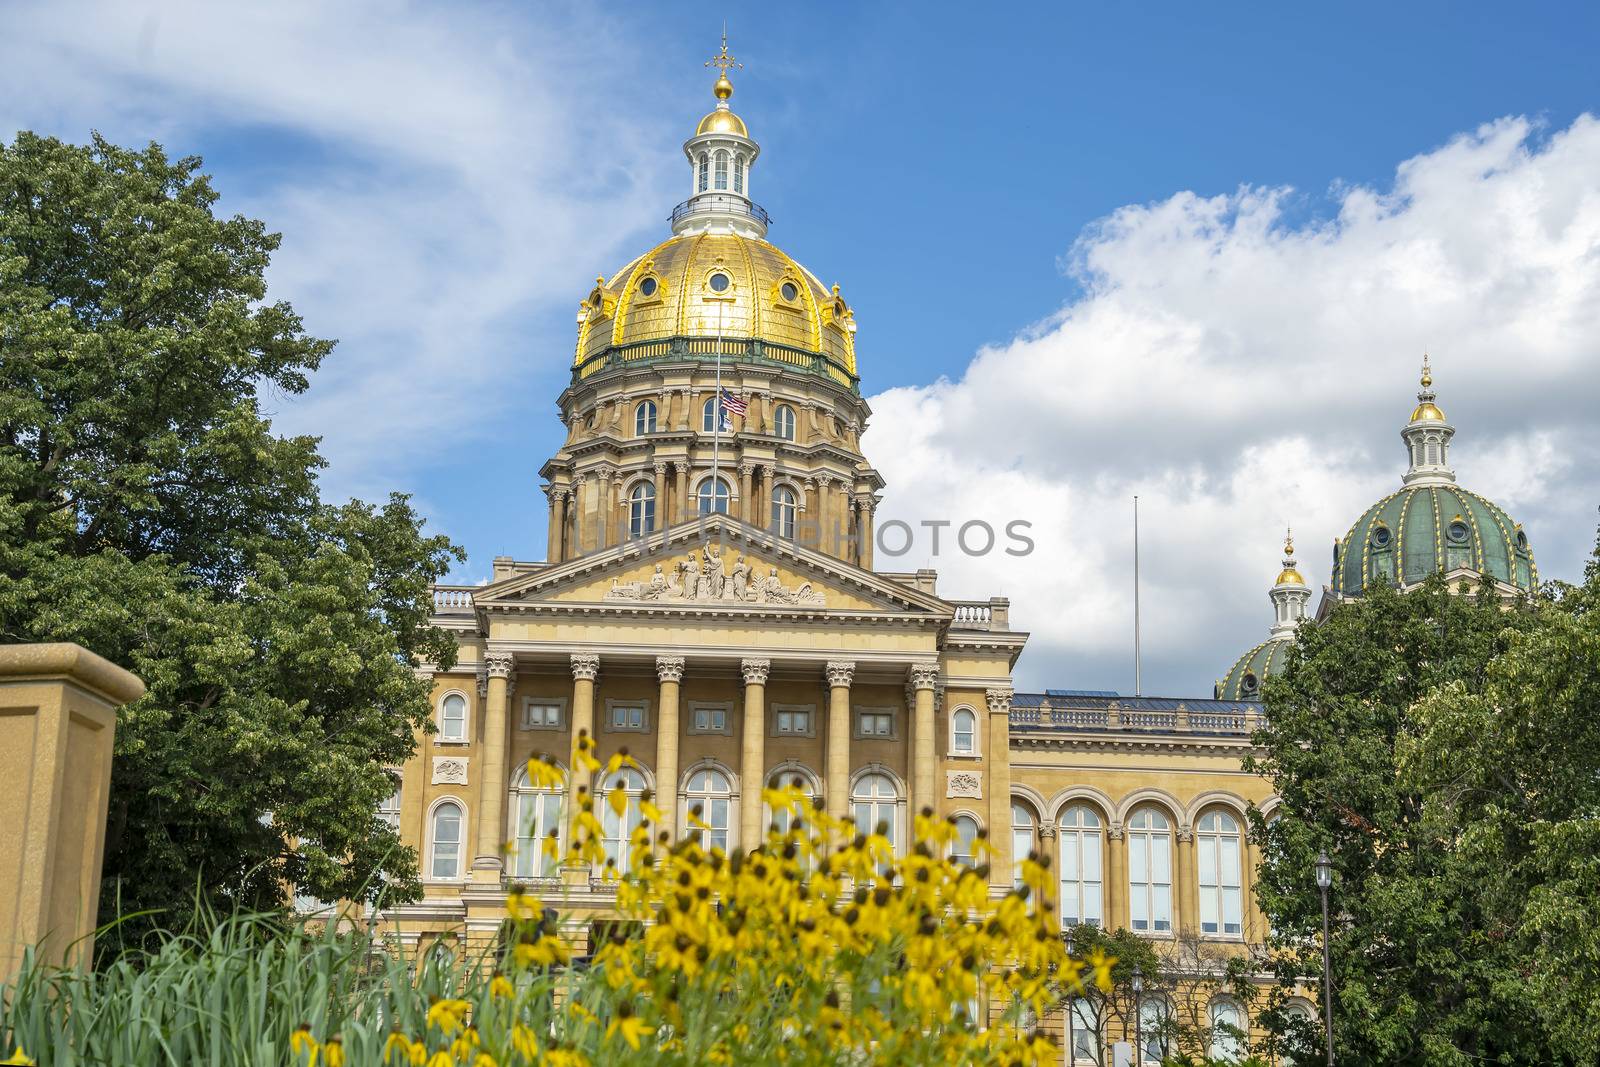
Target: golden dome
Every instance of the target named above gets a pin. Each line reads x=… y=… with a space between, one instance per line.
x=1290 y=576
x=1427 y=411
x=697 y=285
x=722 y=120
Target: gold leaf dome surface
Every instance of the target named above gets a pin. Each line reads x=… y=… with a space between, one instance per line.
x=1427 y=411
x=1290 y=576
x=672 y=291
x=722 y=121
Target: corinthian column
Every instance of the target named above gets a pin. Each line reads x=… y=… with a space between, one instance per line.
x=924 y=676
x=585 y=668
x=491 y=814
x=669 y=673
x=753 y=753
x=839 y=674
x=998 y=760
x=663 y=518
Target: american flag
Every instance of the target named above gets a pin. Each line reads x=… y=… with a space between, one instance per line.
x=733 y=403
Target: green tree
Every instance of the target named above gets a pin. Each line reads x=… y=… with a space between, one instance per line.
x=1442 y=747
x=148 y=512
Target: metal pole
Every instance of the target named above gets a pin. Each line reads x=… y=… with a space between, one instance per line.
x=716 y=421
x=1138 y=679
x=1327 y=980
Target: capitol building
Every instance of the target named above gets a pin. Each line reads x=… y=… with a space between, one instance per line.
x=708 y=599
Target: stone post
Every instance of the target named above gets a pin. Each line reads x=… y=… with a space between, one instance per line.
x=924 y=676
x=753 y=751
x=663 y=516
x=60 y=717
x=998 y=758
x=1116 y=889
x=669 y=673
x=1187 y=921
x=839 y=674
x=585 y=668
x=488 y=862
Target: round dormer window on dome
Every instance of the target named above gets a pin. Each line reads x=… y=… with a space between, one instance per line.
x=719 y=282
x=649 y=287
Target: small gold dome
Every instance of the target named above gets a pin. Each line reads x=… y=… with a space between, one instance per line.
x=722 y=121
x=1427 y=411
x=698 y=285
x=1290 y=576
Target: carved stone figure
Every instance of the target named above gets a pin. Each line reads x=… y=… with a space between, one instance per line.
x=964 y=784
x=699 y=577
x=741 y=580
x=449 y=770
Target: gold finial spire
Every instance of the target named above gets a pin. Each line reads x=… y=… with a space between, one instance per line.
x=1289 y=575
x=723 y=62
x=1426 y=410
x=1288 y=541
x=1427 y=375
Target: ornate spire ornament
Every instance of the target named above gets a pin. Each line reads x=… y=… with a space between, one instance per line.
x=1290 y=594
x=1427 y=436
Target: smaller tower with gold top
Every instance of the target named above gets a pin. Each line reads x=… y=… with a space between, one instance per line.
x=1427 y=437
x=721 y=155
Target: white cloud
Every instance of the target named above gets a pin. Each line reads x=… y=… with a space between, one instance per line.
x=439 y=190
x=1241 y=371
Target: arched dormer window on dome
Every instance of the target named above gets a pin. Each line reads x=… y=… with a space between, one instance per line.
x=720 y=170
x=704 y=168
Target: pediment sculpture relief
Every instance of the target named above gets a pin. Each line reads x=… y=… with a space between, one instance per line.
x=703 y=578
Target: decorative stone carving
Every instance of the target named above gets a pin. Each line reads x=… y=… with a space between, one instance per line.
x=483 y=684
x=1114 y=831
x=840 y=672
x=924 y=675
x=999 y=701
x=585 y=666
x=1185 y=832
x=669 y=668
x=1047 y=831
x=449 y=770
x=963 y=784
x=703 y=578
x=755 y=671
x=499 y=664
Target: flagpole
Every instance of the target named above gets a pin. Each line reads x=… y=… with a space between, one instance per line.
x=1138 y=681
x=716 y=422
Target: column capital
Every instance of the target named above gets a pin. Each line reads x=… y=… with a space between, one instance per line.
x=924 y=675
x=1047 y=831
x=840 y=672
x=755 y=671
x=669 y=668
x=999 y=701
x=499 y=664
x=660 y=468
x=766 y=470
x=1185 y=832
x=585 y=666
x=745 y=469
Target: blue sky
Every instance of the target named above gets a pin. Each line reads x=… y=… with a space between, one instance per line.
x=1194 y=253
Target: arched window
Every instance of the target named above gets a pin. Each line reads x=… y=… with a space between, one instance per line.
x=721 y=162
x=710 y=792
x=1227 y=1030
x=783 y=422
x=1221 y=898
x=617 y=830
x=642 y=509
x=1022 y=827
x=1085 y=1033
x=709 y=423
x=713 y=496
x=453 y=718
x=785 y=509
x=644 y=418
x=535 y=815
x=1078 y=833
x=738 y=174
x=445 y=861
x=783 y=818
x=1150 y=872
x=389 y=810
x=964 y=733
x=964 y=848
x=1433 y=451
x=873 y=804
x=1155 y=1024
x=705 y=174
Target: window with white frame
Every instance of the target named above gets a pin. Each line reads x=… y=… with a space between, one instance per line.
x=1227 y=1030
x=1150 y=872
x=964 y=848
x=627 y=716
x=874 y=723
x=711 y=792
x=783 y=818
x=873 y=805
x=1023 y=825
x=446 y=841
x=1085 y=1033
x=1078 y=833
x=708 y=416
x=738 y=174
x=710 y=718
x=713 y=496
x=705 y=173
x=641 y=509
x=783 y=422
x=542 y=714
x=536 y=817
x=644 y=418
x=720 y=165
x=616 y=831
x=1155 y=1025
x=964 y=733
x=785 y=511
x=453 y=718
x=389 y=809
x=1217 y=853
x=793 y=720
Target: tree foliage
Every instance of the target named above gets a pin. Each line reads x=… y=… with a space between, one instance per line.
x=1444 y=748
x=148 y=512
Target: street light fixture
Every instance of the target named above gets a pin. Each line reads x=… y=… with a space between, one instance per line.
x=1324 y=881
x=1138 y=1015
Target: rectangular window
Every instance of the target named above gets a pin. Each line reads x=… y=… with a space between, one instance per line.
x=541 y=715
x=875 y=724
x=627 y=717
x=794 y=722
x=710 y=718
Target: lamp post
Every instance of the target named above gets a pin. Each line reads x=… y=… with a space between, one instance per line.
x=1138 y=1015
x=1324 y=880
x=1072 y=1052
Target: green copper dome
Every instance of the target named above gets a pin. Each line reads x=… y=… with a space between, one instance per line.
x=1244 y=678
x=1421 y=529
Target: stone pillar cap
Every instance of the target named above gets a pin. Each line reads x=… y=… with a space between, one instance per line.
x=73 y=662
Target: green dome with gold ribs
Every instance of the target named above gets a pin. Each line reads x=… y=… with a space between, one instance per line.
x=1244 y=678
x=1421 y=529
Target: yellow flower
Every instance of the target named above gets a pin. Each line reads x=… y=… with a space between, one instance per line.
x=442 y=1059
x=524 y=1042
x=500 y=986
x=631 y=1027
x=485 y=1060
x=333 y=1052
x=548 y=951
x=301 y=1043
x=1101 y=965
x=398 y=1042
x=448 y=1014
x=524 y=907
x=18 y=1056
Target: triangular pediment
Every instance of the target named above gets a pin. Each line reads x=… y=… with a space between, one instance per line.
x=716 y=563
